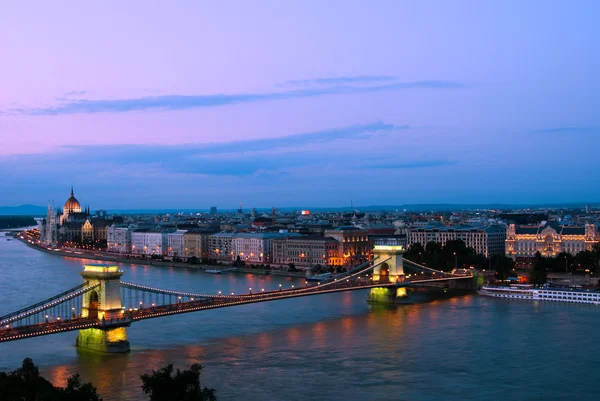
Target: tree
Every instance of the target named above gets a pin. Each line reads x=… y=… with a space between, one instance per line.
x=538 y=275
x=77 y=391
x=162 y=385
x=503 y=266
x=585 y=260
x=433 y=247
x=415 y=252
x=596 y=253
x=26 y=384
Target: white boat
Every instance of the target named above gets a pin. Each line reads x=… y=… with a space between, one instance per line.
x=219 y=271
x=320 y=277
x=530 y=292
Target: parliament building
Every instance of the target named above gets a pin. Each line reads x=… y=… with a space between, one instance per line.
x=71 y=224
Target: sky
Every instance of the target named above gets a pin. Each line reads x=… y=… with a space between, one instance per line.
x=187 y=104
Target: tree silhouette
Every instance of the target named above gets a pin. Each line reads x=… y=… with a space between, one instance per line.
x=163 y=385
x=26 y=384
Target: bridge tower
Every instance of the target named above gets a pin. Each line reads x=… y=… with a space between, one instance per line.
x=390 y=271
x=104 y=303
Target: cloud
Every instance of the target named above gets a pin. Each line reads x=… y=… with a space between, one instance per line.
x=269 y=157
x=563 y=130
x=409 y=165
x=361 y=79
x=183 y=102
x=75 y=93
x=153 y=152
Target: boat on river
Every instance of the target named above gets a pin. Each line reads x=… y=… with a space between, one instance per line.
x=556 y=294
x=219 y=271
x=320 y=277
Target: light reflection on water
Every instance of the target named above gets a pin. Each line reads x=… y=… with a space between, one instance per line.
x=329 y=347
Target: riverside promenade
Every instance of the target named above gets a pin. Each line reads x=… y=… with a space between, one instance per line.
x=107 y=256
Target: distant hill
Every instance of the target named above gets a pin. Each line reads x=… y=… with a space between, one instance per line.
x=23 y=210
x=33 y=210
x=16 y=222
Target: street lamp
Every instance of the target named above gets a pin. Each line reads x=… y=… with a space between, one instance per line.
x=455 y=260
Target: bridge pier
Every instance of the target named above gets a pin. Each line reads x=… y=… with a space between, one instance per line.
x=104 y=304
x=390 y=271
x=103 y=340
x=387 y=295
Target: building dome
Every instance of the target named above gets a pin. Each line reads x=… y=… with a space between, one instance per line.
x=72 y=204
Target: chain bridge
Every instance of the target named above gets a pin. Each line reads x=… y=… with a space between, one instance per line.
x=103 y=305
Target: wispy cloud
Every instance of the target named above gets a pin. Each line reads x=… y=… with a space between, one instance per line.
x=566 y=130
x=182 y=102
x=360 y=79
x=153 y=152
x=409 y=165
x=75 y=93
x=259 y=157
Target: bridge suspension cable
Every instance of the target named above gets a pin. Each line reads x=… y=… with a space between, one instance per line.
x=417 y=266
x=138 y=287
x=59 y=306
x=47 y=303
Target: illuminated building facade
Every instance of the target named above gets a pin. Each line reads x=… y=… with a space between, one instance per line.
x=71 y=224
x=549 y=239
x=118 y=239
x=354 y=245
x=485 y=240
x=192 y=244
x=149 y=242
x=196 y=243
x=253 y=247
x=307 y=251
x=176 y=243
x=220 y=245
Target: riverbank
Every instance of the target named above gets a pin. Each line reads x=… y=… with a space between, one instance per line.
x=104 y=257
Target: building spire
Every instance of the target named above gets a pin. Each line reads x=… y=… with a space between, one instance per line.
x=71 y=189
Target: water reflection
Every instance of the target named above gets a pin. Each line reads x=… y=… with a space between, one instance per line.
x=333 y=347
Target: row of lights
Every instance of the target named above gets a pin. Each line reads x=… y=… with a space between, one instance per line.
x=237 y=302
x=185 y=294
x=18 y=336
x=43 y=307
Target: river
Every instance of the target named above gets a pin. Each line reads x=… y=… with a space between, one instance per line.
x=325 y=347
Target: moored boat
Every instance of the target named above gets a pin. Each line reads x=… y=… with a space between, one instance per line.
x=320 y=277
x=530 y=292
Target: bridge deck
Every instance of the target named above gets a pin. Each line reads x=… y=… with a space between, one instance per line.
x=17 y=333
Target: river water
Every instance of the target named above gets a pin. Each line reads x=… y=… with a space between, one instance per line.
x=325 y=347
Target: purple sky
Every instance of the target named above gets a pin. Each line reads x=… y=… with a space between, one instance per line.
x=312 y=103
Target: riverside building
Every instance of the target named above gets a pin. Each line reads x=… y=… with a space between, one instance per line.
x=306 y=251
x=486 y=240
x=354 y=246
x=549 y=239
x=253 y=247
x=71 y=224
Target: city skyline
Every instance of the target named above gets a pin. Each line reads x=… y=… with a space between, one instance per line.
x=291 y=105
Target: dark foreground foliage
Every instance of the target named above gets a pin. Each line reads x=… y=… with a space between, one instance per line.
x=26 y=384
x=164 y=384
